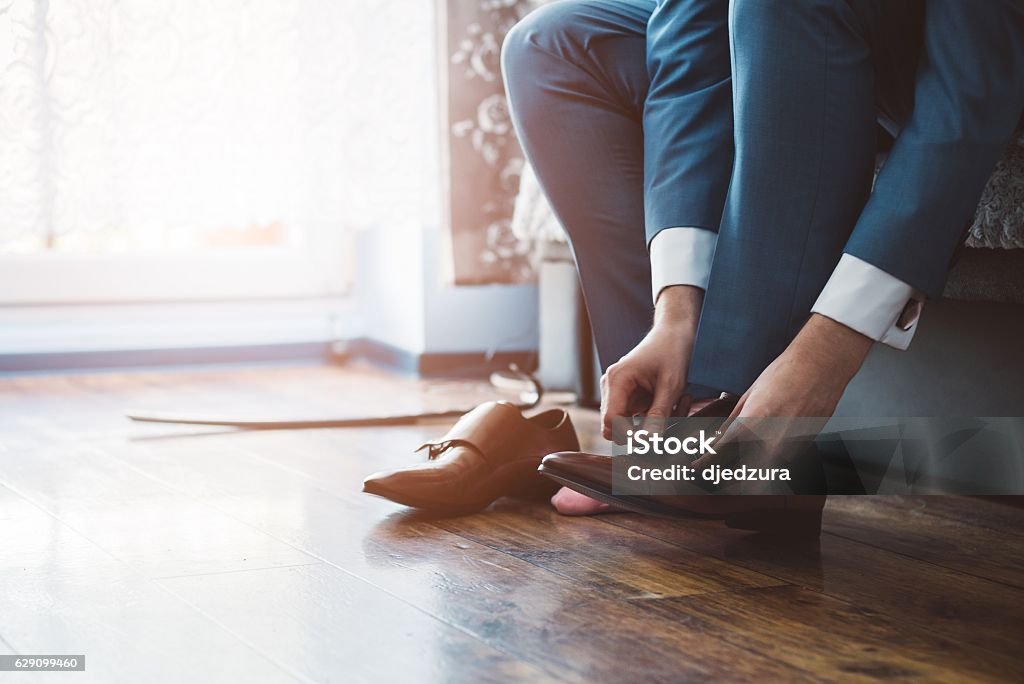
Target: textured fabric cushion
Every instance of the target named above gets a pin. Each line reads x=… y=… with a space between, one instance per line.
x=999 y=221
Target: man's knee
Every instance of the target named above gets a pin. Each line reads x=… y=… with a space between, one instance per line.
x=551 y=32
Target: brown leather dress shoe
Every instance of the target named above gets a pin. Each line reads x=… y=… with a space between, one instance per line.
x=492 y=451
x=591 y=475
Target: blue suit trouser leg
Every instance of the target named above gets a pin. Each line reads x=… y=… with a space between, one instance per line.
x=624 y=110
x=804 y=117
x=576 y=80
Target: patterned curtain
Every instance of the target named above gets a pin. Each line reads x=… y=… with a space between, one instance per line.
x=485 y=162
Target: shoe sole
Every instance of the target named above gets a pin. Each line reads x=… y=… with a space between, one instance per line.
x=530 y=487
x=634 y=504
x=788 y=523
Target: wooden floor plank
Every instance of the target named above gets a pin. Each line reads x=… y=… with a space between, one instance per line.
x=148 y=526
x=978 y=512
x=330 y=627
x=923 y=596
x=260 y=546
x=624 y=565
x=166 y=534
x=822 y=634
x=906 y=526
x=61 y=594
x=567 y=629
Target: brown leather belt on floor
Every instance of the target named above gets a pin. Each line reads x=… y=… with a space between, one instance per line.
x=527 y=400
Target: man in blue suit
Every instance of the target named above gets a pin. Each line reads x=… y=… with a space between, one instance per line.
x=717 y=159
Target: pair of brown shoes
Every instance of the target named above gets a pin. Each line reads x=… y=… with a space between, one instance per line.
x=495 y=451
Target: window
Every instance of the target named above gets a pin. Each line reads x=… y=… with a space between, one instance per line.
x=208 y=150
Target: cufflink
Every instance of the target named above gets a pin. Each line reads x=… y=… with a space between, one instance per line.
x=911 y=312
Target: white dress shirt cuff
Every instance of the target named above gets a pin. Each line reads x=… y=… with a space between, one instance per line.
x=872 y=302
x=681 y=256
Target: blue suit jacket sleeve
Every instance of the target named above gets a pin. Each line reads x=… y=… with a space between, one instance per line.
x=687 y=117
x=967 y=104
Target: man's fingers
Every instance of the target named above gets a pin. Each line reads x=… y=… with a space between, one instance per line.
x=605 y=383
x=737 y=410
x=614 y=402
x=684 y=405
x=665 y=396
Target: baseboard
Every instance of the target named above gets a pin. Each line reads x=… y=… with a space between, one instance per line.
x=50 y=362
x=429 y=364
x=437 y=364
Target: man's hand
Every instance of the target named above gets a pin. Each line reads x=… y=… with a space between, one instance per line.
x=809 y=378
x=651 y=379
x=805 y=381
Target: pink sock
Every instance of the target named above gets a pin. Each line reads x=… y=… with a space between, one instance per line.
x=569 y=502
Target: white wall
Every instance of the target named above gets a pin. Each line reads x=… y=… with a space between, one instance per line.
x=389 y=287
x=474 y=318
x=404 y=301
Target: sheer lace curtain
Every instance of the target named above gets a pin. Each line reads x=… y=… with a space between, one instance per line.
x=184 y=126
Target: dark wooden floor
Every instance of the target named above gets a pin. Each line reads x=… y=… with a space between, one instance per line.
x=174 y=554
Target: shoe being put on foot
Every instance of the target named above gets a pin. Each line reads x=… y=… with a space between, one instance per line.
x=797 y=516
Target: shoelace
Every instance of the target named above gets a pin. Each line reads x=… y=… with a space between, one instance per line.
x=435 y=449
